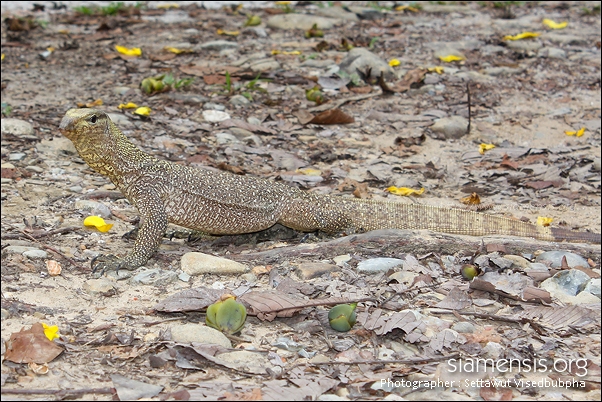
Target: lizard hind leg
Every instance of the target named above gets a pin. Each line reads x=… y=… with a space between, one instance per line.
x=307 y=217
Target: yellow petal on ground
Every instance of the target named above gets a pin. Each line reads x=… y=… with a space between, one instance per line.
x=310 y=171
x=404 y=191
x=50 y=49
x=97 y=102
x=554 y=25
x=282 y=3
x=394 y=62
x=275 y=52
x=143 y=111
x=436 y=69
x=228 y=33
x=543 y=221
x=485 y=147
x=98 y=223
x=2 y=58
x=576 y=133
x=135 y=51
x=167 y=6
x=409 y=8
x=450 y=58
x=175 y=50
x=523 y=35
x=129 y=105
x=51 y=331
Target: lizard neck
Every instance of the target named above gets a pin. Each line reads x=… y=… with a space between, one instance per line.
x=115 y=156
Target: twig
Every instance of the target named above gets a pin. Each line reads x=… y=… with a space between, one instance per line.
x=41 y=233
x=76 y=265
x=469 y=111
x=81 y=391
x=396 y=361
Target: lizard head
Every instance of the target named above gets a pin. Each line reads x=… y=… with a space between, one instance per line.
x=84 y=125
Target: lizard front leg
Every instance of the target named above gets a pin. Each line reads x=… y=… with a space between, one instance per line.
x=153 y=223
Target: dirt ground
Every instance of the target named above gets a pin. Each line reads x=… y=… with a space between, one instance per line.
x=525 y=96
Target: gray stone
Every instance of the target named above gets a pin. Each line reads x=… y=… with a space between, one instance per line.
x=154 y=276
x=199 y=263
x=239 y=100
x=217 y=45
x=551 y=53
x=56 y=146
x=199 y=333
x=566 y=38
x=376 y=265
x=226 y=138
x=492 y=350
x=18 y=128
x=214 y=106
x=93 y=208
x=101 y=285
x=366 y=13
x=18 y=249
x=189 y=99
x=341 y=260
x=265 y=64
x=593 y=287
x=517 y=261
x=300 y=21
x=215 y=116
x=36 y=254
x=310 y=270
x=450 y=127
x=567 y=286
x=554 y=259
x=17 y=156
x=502 y=71
x=247 y=361
x=463 y=327
x=337 y=12
x=360 y=58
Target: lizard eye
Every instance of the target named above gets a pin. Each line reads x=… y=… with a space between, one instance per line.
x=93 y=119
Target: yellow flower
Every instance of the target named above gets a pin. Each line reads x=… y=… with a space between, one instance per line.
x=450 y=58
x=128 y=105
x=404 y=191
x=175 y=50
x=554 y=25
x=143 y=111
x=523 y=35
x=51 y=331
x=135 y=51
x=485 y=147
x=98 y=223
x=577 y=133
x=394 y=62
x=543 y=221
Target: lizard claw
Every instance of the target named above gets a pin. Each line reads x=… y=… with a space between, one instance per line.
x=106 y=262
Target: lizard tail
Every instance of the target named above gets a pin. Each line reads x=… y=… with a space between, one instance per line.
x=367 y=215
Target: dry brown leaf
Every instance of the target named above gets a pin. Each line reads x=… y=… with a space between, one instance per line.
x=333 y=116
x=531 y=293
x=31 y=346
x=472 y=199
x=456 y=300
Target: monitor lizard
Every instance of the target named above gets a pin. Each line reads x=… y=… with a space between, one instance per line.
x=222 y=203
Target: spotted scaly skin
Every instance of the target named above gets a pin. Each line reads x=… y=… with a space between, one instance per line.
x=222 y=203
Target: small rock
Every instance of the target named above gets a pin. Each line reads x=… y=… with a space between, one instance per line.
x=103 y=286
x=188 y=333
x=492 y=350
x=310 y=270
x=300 y=21
x=337 y=12
x=214 y=106
x=226 y=138
x=376 y=265
x=239 y=100
x=199 y=263
x=450 y=127
x=570 y=281
x=502 y=71
x=551 y=53
x=554 y=259
x=18 y=128
x=215 y=116
x=366 y=13
x=249 y=277
x=247 y=361
x=524 y=45
x=154 y=276
x=35 y=169
x=566 y=39
x=265 y=64
x=217 y=45
x=184 y=277
x=593 y=287
x=18 y=249
x=539 y=272
x=463 y=327
x=360 y=58
x=36 y=254
x=517 y=261
x=17 y=156
x=189 y=99
x=340 y=260
x=56 y=146
x=120 y=90
x=93 y=208
x=501 y=262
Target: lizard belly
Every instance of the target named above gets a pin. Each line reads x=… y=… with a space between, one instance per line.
x=212 y=217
